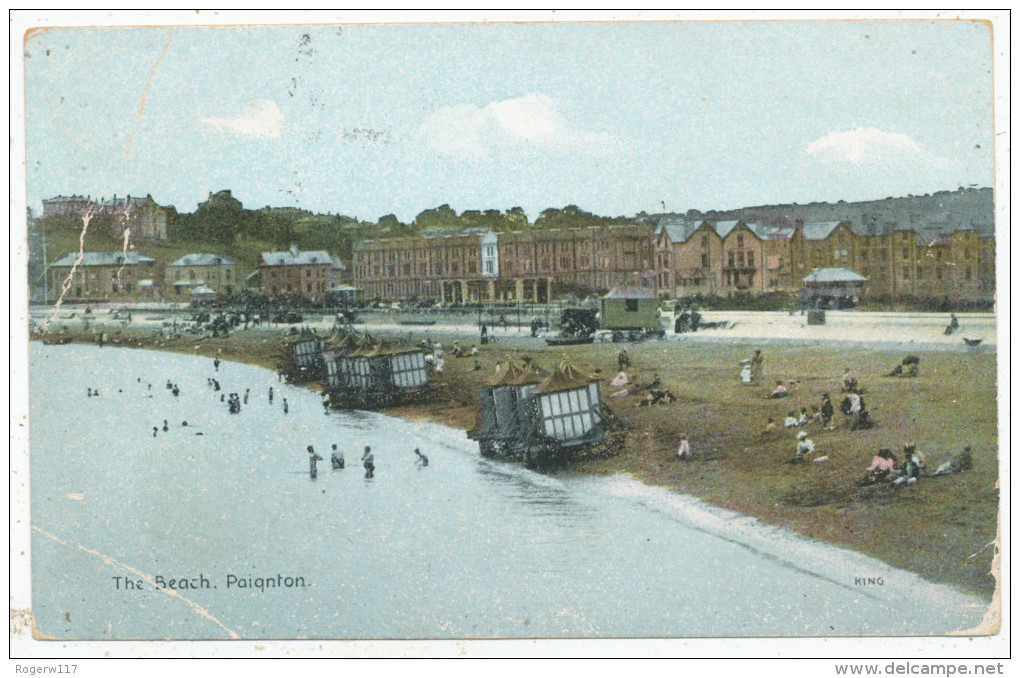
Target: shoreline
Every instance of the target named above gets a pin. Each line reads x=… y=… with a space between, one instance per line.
x=821 y=508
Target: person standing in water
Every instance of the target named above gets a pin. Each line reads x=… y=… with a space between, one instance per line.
x=422 y=459
x=285 y=408
x=313 y=459
x=368 y=461
x=246 y=396
x=337 y=459
x=216 y=364
x=270 y=395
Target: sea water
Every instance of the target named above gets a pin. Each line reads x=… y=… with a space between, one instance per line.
x=217 y=530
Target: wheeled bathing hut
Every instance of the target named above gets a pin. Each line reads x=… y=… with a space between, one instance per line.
x=374 y=372
x=302 y=360
x=526 y=414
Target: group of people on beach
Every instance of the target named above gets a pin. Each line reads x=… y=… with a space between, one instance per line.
x=885 y=467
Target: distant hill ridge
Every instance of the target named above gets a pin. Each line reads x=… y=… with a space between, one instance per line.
x=965 y=208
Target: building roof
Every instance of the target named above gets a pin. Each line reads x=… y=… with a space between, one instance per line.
x=833 y=275
x=203 y=260
x=630 y=293
x=820 y=230
x=295 y=257
x=778 y=233
x=202 y=291
x=677 y=230
x=723 y=228
x=104 y=259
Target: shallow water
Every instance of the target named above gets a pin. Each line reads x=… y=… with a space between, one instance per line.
x=465 y=547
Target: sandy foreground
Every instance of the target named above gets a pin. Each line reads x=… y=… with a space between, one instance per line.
x=943 y=528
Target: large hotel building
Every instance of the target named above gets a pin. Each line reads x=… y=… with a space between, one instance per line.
x=675 y=258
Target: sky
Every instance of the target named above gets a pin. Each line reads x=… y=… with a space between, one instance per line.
x=617 y=118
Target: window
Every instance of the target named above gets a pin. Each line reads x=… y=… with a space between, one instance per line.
x=740 y=239
x=750 y=258
x=308 y=287
x=488 y=267
x=731 y=259
x=704 y=242
x=904 y=252
x=308 y=273
x=704 y=261
x=632 y=305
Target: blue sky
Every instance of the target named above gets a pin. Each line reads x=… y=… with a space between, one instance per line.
x=613 y=117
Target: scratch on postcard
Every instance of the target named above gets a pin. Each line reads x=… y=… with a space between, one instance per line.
x=198 y=609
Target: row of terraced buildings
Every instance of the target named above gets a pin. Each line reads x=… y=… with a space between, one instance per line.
x=674 y=258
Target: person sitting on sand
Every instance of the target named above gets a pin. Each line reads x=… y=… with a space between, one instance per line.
x=908 y=368
x=961 y=461
x=770 y=427
x=850 y=381
x=791 y=420
x=913 y=466
x=816 y=416
x=804 y=444
x=779 y=391
x=802 y=419
x=619 y=380
x=883 y=464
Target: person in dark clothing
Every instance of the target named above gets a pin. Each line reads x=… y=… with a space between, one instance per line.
x=368 y=461
x=270 y=395
x=216 y=364
x=246 y=396
x=154 y=431
x=827 y=409
x=422 y=459
x=166 y=427
x=285 y=408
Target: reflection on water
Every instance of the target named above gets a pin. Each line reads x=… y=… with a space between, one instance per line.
x=466 y=547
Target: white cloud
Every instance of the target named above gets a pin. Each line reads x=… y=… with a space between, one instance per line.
x=527 y=124
x=864 y=147
x=260 y=119
x=869 y=161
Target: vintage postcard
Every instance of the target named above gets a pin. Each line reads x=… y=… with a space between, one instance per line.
x=671 y=327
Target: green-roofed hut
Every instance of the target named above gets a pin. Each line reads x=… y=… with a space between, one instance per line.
x=831 y=288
